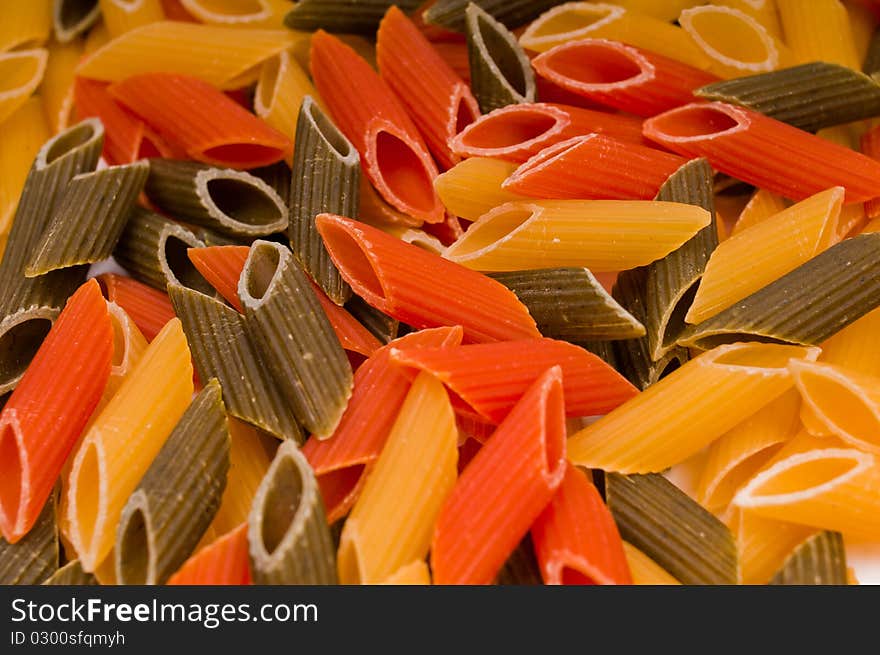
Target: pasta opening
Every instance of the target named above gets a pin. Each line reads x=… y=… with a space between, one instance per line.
x=266 y=87
x=70 y=140
x=464 y=115
x=10 y=481
x=728 y=35
x=17 y=69
x=72 y=13
x=243 y=201
x=87 y=495
x=120 y=340
x=721 y=490
x=331 y=134
x=679 y=311
x=548 y=154
x=181 y=267
x=554 y=428
x=506 y=58
x=570 y=576
x=805 y=475
x=19 y=344
x=497 y=226
x=763 y=355
x=693 y=122
x=404 y=172
x=346 y=250
x=842 y=406
x=569 y=20
x=134 y=549
x=260 y=269
x=337 y=487
x=280 y=504
x=509 y=128
x=593 y=63
x=242 y=155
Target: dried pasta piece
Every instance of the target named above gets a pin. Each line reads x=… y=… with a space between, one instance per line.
x=56 y=89
x=21 y=136
x=71 y=574
x=25 y=24
x=148 y=308
x=821 y=34
x=474 y=186
x=121 y=16
x=71 y=18
x=763 y=544
x=281 y=89
x=820 y=560
x=346 y=16
x=451 y=14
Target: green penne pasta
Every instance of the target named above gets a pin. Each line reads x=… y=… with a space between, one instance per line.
x=221 y=348
x=29 y=305
x=90 y=218
x=632 y=356
x=820 y=560
x=295 y=337
x=73 y=17
x=325 y=178
x=177 y=498
x=382 y=326
x=501 y=73
x=810 y=96
x=672 y=281
x=288 y=538
x=521 y=568
x=807 y=305
x=871 y=65
x=71 y=574
x=225 y=200
x=512 y=13
x=153 y=249
x=34 y=557
x=276 y=176
x=350 y=16
x=672 y=529
x=571 y=304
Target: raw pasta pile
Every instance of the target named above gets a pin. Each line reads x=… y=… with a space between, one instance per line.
x=343 y=292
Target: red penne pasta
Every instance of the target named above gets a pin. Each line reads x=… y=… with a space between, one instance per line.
x=221 y=266
x=621 y=76
x=222 y=562
x=455 y=54
x=438 y=101
x=870 y=144
x=491 y=377
x=380 y=388
x=594 y=166
x=148 y=308
x=505 y=487
x=765 y=152
x=517 y=132
x=420 y=288
x=126 y=138
x=393 y=155
x=201 y=120
x=49 y=408
x=576 y=539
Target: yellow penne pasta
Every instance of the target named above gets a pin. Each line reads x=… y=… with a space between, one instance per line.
x=762 y=205
x=756 y=256
x=734 y=42
x=392 y=521
x=862 y=22
x=239 y=13
x=223 y=56
x=544 y=234
x=762 y=545
x=20 y=74
x=844 y=402
x=57 y=87
x=688 y=409
x=823 y=33
x=25 y=24
x=121 y=16
x=97 y=38
x=123 y=440
x=665 y=10
x=739 y=453
x=473 y=186
x=129 y=346
x=644 y=570
x=280 y=92
x=583 y=20
x=416 y=237
x=415 y=573
x=21 y=136
x=763 y=11
x=856 y=347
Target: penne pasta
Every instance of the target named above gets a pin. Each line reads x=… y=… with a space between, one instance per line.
x=122 y=16
x=644 y=570
x=451 y=14
x=25 y=24
x=71 y=18
x=688 y=409
x=71 y=574
x=761 y=206
x=543 y=234
x=763 y=544
x=763 y=11
x=57 y=87
x=414 y=573
x=148 y=308
x=347 y=16
x=820 y=560
x=393 y=519
x=281 y=89
x=223 y=562
x=854 y=347
x=21 y=137
x=259 y=13
x=821 y=34
x=221 y=266
x=20 y=73
x=474 y=186
x=33 y=558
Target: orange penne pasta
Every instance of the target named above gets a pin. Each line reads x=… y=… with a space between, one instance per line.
x=380 y=387
x=503 y=489
x=393 y=155
x=491 y=377
x=148 y=308
x=870 y=146
x=49 y=408
x=762 y=205
x=202 y=121
x=763 y=544
x=576 y=539
x=20 y=73
x=438 y=101
x=421 y=288
x=594 y=166
x=223 y=562
x=517 y=132
x=621 y=76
